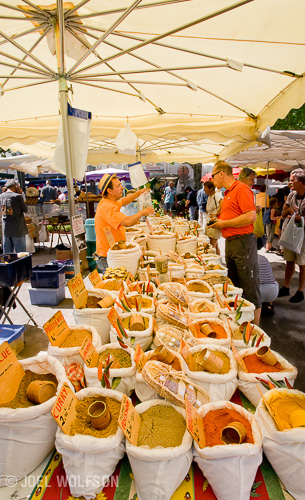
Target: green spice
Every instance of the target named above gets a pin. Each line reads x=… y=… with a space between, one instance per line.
x=161 y=426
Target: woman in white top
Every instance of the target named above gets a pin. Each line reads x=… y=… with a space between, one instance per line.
x=213 y=209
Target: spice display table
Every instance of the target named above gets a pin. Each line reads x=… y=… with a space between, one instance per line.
x=53 y=485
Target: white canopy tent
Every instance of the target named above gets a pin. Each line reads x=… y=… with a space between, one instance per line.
x=173 y=68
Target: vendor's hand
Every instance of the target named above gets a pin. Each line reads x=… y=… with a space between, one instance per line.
x=258 y=209
x=148 y=211
x=144 y=190
x=297 y=218
x=219 y=224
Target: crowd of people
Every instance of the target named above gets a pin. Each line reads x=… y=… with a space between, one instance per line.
x=221 y=199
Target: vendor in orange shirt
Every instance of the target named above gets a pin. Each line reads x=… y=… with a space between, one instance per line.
x=238 y=213
x=108 y=214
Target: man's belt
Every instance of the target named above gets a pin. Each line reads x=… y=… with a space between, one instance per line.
x=237 y=236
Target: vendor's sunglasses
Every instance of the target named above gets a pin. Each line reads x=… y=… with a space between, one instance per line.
x=213 y=175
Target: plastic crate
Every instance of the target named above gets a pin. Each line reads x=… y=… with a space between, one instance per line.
x=14 y=269
x=90 y=230
x=48 y=276
x=47 y=296
x=14 y=335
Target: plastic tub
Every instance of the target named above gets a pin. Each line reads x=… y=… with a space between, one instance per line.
x=13 y=270
x=14 y=335
x=48 y=276
x=90 y=230
x=47 y=296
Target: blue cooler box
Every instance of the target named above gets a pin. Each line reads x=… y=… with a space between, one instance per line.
x=90 y=230
x=48 y=276
x=14 y=335
x=47 y=296
x=14 y=269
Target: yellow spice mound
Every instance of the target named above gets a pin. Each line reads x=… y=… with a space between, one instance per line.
x=161 y=426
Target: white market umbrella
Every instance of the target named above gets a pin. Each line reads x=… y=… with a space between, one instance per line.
x=173 y=68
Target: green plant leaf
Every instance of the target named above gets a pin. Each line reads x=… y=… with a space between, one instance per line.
x=115 y=382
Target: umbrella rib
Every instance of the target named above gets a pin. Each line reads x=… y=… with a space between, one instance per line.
x=32 y=48
x=27 y=52
x=27 y=32
x=168 y=33
x=12 y=8
x=155 y=70
x=169 y=46
x=31 y=66
x=105 y=88
x=141 y=82
x=117 y=11
x=37 y=8
x=28 y=85
x=78 y=6
x=107 y=64
x=107 y=32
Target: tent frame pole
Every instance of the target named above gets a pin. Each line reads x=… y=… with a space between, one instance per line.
x=63 y=101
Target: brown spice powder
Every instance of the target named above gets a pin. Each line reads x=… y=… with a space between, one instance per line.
x=76 y=338
x=122 y=356
x=82 y=423
x=21 y=400
x=161 y=426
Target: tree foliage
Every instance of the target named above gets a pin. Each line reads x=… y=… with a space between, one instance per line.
x=295 y=120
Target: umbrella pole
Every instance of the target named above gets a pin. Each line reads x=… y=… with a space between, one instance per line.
x=87 y=202
x=267 y=184
x=63 y=101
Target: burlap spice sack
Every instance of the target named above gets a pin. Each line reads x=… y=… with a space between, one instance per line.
x=124 y=375
x=230 y=468
x=27 y=435
x=284 y=449
x=95 y=316
x=159 y=471
x=68 y=353
x=90 y=459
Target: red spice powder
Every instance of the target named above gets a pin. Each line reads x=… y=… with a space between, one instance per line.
x=255 y=365
x=216 y=420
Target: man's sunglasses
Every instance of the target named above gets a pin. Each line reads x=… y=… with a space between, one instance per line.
x=213 y=175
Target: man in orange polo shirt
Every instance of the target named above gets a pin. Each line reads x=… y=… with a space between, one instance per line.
x=108 y=215
x=238 y=213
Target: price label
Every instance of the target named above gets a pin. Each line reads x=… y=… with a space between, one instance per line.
x=114 y=319
x=129 y=420
x=88 y=353
x=64 y=410
x=139 y=357
x=109 y=236
x=95 y=279
x=11 y=373
x=194 y=423
x=78 y=291
x=57 y=329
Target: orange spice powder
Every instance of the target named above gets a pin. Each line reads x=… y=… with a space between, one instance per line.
x=255 y=365
x=218 y=329
x=216 y=420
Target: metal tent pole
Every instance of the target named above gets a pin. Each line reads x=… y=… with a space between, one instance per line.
x=267 y=185
x=63 y=101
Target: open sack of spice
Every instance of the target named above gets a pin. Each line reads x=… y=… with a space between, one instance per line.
x=88 y=437
x=170 y=336
x=159 y=449
x=232 y=452
x=211 y=331
x=285 y=449
x=122 y=371
x=91 y=307
x=257 y=364
x=131 y=328
x=135 y=302
x=27 y=394
x=113 y=285
x=248 y=335
x=238 y=310
x=213 y=368
x=199 y=289
x=66 y=350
